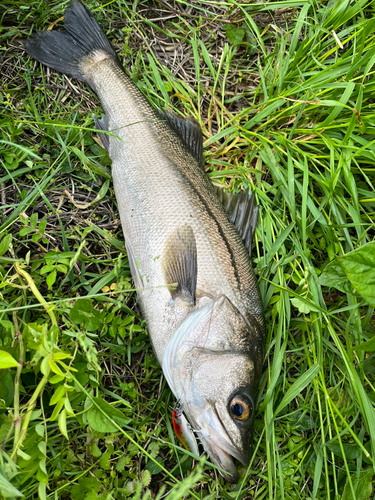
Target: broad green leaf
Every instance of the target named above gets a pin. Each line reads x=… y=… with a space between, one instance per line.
x=44 y=365
x=184 y=466
x=95 y=450
x=145 y=477
x=6 y=360
x=42 y=226
x=61 y=355
x=153 y=449
x=352 y=272
x=99 y=418
x=23 y=455
x=22 y=148
x=39 y=429
x=41 y=475
x=302 y=306
x=42 y=491
x=68 y=407
x=304 y=422
x=62 y=424
x=42 y=466
x=42 y=447
x=34 y=220
x=152 y=467
x=51 y=278
x=4 y=243
x=368 y=346
x=124 y=460
x=362 y=486
x=365 y=485
x=359 y=266
x=334 y=276
x=54 y=367
x=57 y=409
x=369 y=365
x=234 y=33
x=8 y=326
x=7 y=386
x=57 y=395
x=83 y=312
x=25 y=231
x=104 y=461
x=47 y=268
x=352 y=451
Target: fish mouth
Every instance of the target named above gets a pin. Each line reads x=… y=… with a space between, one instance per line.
x=222 y=459
x=219 y=446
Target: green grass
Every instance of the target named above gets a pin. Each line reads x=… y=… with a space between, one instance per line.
x=285 y=100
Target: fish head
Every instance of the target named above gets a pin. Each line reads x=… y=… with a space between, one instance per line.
x=213 y=364
x=222 y=411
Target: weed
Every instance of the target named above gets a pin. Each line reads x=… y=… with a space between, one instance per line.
x=284 y=94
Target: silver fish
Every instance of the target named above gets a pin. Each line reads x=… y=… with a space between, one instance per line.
x=186 y=252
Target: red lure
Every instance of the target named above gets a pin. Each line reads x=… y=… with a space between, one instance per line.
x=184 y=431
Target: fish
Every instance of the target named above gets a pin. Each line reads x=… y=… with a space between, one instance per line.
x=187 y=245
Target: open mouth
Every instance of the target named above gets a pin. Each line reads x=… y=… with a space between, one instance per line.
x=222 y=459
x=218 y=445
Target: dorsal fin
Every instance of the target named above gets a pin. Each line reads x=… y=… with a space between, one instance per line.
x=179 y=263
x=241 y=212
x=189 y=131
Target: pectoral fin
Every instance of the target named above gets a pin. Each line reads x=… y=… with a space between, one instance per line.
x=136 y=275
x=241 y=212
x=179 y=263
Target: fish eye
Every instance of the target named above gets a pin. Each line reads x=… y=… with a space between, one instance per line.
x=240 y=409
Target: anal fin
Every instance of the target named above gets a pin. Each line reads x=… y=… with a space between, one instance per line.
x=179 y=263
x=241 y=212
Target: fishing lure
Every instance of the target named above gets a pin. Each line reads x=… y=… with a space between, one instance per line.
x=183 y=431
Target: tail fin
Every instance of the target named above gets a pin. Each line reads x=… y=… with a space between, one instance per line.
x=64 y=51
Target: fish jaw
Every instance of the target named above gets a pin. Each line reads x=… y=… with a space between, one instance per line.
x=223 y=461
x=218 y=444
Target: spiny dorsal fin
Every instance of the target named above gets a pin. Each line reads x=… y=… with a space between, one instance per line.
x=189 y=131
x=241 y=212
x=102 y=124
x=179 y=263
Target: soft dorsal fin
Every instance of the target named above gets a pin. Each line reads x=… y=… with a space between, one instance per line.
x=189 y=131
x=102 y=124
x=241 y=212
x=179 y=263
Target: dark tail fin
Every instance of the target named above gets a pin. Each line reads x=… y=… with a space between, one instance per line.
x=64 y=51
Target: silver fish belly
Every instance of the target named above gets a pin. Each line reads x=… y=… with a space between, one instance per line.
x=194 y=278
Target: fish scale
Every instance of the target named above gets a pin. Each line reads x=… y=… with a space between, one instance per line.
x=193 y=275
